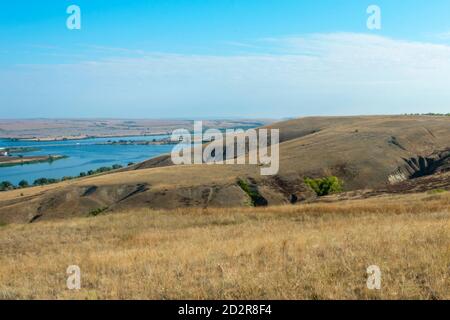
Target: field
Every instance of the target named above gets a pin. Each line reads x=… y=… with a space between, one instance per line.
x=155 y=230
x=307 y=251
x=74 y=129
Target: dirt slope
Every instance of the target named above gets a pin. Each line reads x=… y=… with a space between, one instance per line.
x=367 y=152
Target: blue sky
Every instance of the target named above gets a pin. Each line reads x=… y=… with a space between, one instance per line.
x=223 y=58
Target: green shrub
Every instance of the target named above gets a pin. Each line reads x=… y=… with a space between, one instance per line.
x=436 y=191
x=102 y=169
x=6 y=185
x=44 y=181
x=97 y=211
x=325 y=186
x=24 y=184
x=252 y=191
x=40 y=182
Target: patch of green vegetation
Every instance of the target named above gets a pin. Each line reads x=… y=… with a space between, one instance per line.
x=44 y=181
x=437 y=191
x=103 y=169
x=6 y=185
x=252 y=191
x=3 y=224
x=325 y=186
x=24 y=184
x=97 y=211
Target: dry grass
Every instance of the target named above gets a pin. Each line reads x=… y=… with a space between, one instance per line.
x=316 y=251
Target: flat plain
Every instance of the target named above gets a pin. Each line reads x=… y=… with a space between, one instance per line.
x=74 y=129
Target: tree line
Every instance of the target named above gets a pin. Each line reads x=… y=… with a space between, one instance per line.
x=7 y=185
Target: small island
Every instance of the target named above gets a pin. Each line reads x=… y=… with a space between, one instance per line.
x=164 y=141
x=10 y=161
x=15 y=150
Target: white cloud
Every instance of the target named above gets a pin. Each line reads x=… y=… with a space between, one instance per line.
x=338 y=73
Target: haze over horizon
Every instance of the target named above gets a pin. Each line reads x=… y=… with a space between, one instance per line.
x=222 y=59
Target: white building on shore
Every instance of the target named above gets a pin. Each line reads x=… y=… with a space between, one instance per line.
x=3 y=152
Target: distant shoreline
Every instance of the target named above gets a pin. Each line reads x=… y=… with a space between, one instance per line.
x=15 y=150
x=84 y=137
x=48 y=130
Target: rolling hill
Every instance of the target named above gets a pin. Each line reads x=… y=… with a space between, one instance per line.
x=365 y=152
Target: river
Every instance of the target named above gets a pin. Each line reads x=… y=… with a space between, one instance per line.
x=82 y=156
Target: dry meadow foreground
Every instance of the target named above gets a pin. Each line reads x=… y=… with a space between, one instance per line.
x=309 y=251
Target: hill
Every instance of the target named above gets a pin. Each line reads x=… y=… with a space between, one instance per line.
x=366 y=152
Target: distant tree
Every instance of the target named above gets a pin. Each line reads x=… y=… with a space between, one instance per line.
x=82 y=174
x=6 y=185
x=40 y=182
x=116 y=166
x=103 y=169
x=23 y=184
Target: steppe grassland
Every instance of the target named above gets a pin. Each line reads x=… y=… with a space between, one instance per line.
x=308 y=251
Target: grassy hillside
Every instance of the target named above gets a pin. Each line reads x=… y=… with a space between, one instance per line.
x=313 y=251
x=370 y=152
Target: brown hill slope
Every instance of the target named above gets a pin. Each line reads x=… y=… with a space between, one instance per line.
x=365 y=152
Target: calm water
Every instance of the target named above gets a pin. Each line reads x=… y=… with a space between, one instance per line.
x=84 y=155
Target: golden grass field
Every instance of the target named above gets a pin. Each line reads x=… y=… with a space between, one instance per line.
x=308 y=251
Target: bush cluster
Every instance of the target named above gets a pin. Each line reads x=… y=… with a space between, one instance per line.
x=325 y=186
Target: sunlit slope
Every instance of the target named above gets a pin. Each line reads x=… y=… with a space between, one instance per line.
x=364 y=152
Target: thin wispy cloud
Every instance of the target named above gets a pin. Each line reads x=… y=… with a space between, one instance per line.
x=112 y=50
x=444 y=35
x=336 y=73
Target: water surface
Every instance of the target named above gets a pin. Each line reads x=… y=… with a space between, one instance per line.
x=83 y=155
